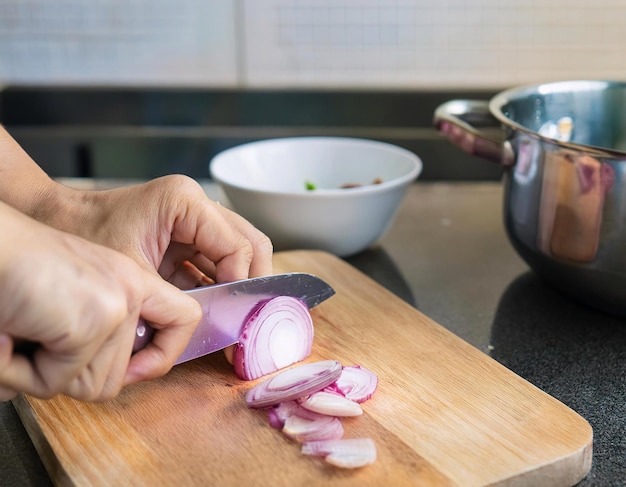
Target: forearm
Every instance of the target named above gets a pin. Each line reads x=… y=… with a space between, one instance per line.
x=25 y=186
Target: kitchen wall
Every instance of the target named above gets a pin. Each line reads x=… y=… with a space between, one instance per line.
x=310 y=44
x=193 y=77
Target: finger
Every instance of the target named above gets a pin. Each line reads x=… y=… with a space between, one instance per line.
x=102 y=378
x=198 y=222
x=204 y=265
x=174 y=316
x=185 y=276
x=180 y=255
x=6 y=351
x=7 y=394
x=51 y=368
x=220 y=242
x=262 y=249
x=176 y=254
x=188 y=276
x=237 y=248
x=17 y=373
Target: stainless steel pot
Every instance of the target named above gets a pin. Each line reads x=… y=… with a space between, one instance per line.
x=564 y=149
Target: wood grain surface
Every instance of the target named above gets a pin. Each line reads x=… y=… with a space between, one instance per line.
x=444 y=412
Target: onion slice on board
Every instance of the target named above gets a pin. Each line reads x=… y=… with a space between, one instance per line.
x=279 y=413
x=331 y=404
x=345 y=453
x=278 y=333
x=294 y=383
x=319 y=427
x=356 y=383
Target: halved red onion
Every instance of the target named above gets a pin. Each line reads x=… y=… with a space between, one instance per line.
x=279 y=333
x=331 y=404
x=356 y=383
x=345 y=453
x=318 y=427
x=293 y=383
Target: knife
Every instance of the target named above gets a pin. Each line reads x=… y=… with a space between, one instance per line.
x=225 y=308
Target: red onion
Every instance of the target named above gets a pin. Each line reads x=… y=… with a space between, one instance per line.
x=346 y=453
x=301 y=424
x=279 y=333
x=294 y=383
x=307 y=401
x=332 y=404
x=279 y=414
x=318 y=427
x=275 y=420
x=356 y=383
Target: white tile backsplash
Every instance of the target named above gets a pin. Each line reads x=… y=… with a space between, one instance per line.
x=431 y=44
x=407 y=44
x=120 y=42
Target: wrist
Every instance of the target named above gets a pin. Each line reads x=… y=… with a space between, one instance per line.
x=62 y=207
x=32 y=195
x=26 y=187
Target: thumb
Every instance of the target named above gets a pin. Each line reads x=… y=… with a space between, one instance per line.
x=174 y=316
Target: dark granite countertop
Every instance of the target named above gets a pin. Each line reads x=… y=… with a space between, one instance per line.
x=448 y=255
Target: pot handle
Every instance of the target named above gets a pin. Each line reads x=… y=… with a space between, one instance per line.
x=470 y=125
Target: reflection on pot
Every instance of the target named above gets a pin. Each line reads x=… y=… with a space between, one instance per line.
x=572 y=200
x=529 y=160
x=562 y=215
x=560 y=130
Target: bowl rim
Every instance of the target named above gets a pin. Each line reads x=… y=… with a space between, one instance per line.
x=410 y=176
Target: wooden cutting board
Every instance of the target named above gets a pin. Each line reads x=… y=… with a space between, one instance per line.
x=444 y=412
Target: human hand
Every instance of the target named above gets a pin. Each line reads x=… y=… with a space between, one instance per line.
x=162 y=224
x=80 y=303
x=165 y=224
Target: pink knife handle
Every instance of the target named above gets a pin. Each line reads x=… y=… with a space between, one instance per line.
x=143 y=335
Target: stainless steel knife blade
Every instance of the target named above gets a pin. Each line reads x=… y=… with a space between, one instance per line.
x=225 y=308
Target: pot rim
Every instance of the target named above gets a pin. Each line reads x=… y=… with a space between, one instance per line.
x=500 y=100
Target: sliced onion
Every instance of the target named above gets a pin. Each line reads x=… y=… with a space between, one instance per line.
x=294 y=383
x=279 y=333
x=331 y=404
x=307 y=402
x=319 y=427
x=345 y=453
x=279 y=414
x=275 y=420
x=356 y=383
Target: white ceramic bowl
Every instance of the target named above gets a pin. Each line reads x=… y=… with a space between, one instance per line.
x=266 y=182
